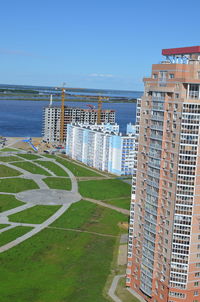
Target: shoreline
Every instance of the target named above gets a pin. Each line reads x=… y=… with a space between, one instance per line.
x=71 y=100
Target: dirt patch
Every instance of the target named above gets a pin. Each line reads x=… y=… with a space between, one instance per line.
x=122 y=255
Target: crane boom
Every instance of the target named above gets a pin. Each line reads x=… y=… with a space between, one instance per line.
x=62 y=117
x=99 y=110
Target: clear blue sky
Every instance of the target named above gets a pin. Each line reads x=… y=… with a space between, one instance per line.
x=91 y=44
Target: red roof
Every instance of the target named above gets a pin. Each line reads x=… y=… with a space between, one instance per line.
x=181 y=51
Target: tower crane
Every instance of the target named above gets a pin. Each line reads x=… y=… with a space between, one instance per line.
x=62 y=116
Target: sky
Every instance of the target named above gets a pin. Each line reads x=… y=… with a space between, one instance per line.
x=91 y=44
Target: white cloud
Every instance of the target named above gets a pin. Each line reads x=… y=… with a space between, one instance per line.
x=101 y=75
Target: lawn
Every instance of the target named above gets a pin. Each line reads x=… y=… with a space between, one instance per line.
x=104 y=189
x=29 y=156
x=76 y=169
x=37 y=214
x=8 y=202
x=60 y=265
x=7 y=150
x=58 y=183
x=123 y=203
x=7 y=171
x=123 y=293
x=2 y=226
x=53 y=168
x=8 y=159
x=101 y=219
x=15 y=185
x=12 y=234
x=30 y=167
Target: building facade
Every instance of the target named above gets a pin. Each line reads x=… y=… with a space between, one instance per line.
x=102 y=147
x=51 y=120
x=164 y=235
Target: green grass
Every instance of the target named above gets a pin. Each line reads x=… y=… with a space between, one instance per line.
x=30 y=167
x=8 y=159
x=58 y=183
x=59 y=265
x=123 y=203
x=37 y=214
x=123 y=293
x=49 y=155
x=15 y=185
x=7 y=171
x=76 y=169
x=12 y=234
x=53 y=168
x=2 y=226
x=7 y=150
x=29 y=156
x=101 y=219
x=104 y=189
x=8 y=202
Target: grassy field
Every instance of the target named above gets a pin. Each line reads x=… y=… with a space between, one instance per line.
x=37 y=214
x=99 y=218
x=8 y=159
x=76 y=169
x=2 y=226
x=123 y=203
x=29 y=156
x=58 y=183
x=53 y=168
x=7 y=150
x=122 y=292
x=12 y=234
x=104 y=189
x=7 y=171
x=60 y=265
x=8 y=202
x=15 y=185
x=30 y=167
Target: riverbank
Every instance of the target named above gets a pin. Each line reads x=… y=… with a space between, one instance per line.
x=86 y=100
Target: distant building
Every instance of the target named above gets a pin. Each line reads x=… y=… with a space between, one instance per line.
x=102 y=147
x=51 y=120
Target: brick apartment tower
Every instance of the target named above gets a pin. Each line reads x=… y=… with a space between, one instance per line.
x=164 y=235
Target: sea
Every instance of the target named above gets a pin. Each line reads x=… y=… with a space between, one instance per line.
x=23 y=118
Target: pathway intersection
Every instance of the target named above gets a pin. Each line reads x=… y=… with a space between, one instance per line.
x=41 y=196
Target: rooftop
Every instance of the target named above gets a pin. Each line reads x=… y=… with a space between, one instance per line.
x=181 y=51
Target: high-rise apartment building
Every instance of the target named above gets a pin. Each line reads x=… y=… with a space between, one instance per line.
x=164 y=236
x=51 y=119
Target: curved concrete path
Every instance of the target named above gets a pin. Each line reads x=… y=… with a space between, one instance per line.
x=36 y=230
x=43 y=195
x=113 y=287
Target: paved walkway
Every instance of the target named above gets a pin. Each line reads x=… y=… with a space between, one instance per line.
x=113 y=287
x=43 y=195
x=36 y=230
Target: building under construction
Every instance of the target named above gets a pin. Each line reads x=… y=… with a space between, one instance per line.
x=52 y=120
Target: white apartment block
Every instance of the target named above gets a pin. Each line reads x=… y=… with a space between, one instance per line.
x=102 y=147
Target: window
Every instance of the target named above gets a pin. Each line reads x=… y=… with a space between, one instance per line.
x=196 y=283
x=171 y=75
x=196 y=293
x=155 y=76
